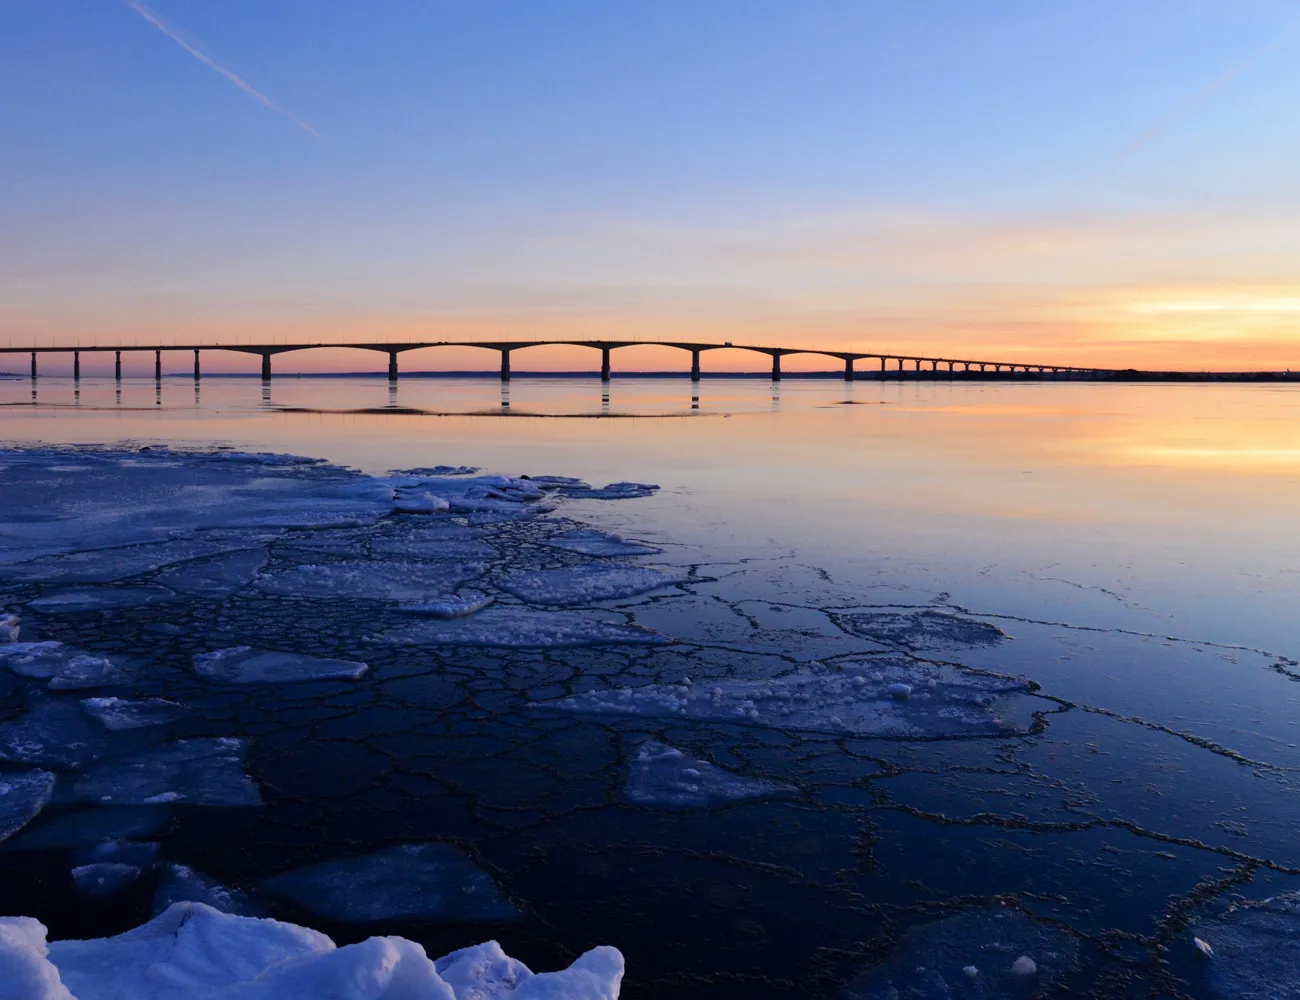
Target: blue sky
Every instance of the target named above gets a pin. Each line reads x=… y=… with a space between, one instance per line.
x=1081 y=178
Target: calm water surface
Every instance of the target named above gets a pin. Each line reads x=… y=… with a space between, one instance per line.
x=1136 y=544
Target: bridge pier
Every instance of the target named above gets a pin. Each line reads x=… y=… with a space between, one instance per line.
x=695 y=365
x=76 y=366
x=604 y=364
x=266 y=367
x=848 y=369
x=392 y=366
x=33 y=365
x=117 y=365
x=505 y=364
x=776 y=368
x=882 y=368
x=197 y=373
x=157 y=366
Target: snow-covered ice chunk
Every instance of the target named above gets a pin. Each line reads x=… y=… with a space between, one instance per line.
x=419 y=502
x=439 y=470
x=182 y=884
x=201 y=772
x=10 y=626
x=215 y=577
x=597 y=543
x=436 y=546
x=91 y=826
x=924 y=629
x=22 y=797
x=65 y=667
x=613 y=491
x=1256 y=948
x=660 y=775
x=410 y=881
x=193 y=950
x=930 y=961
x=102 y=878
x=523 y=628
x=452 y=606
x=828 y=701
x=578 y=585
x=52 y=732
x=100 y=599
x=120 y=713
x=383 y=581
x=486 y=972
x=245 y=665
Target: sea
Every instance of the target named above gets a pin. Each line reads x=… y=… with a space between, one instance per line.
x=850 y=690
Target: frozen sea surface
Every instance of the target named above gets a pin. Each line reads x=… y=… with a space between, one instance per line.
x=245 y=665
x=53 y=732
x=99 y=599
x=523 y=628
x=202 y=772
x=122 y=713
x=663 y=776
x=922 y=629
x=216 y=577
x=183 y=884
x=103 y=878
x=64 y=667
x=1256 y=948
x=91 y=827
x=574 y=586
x=410 y=881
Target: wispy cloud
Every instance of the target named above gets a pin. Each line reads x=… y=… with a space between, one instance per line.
x=207 y=61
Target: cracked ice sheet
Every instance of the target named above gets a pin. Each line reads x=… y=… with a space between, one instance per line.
x=384 y=581
x=573 y=586
x=597 y=543
x=871 y=697
x=110 y=565
x=522 y=628
x=200 y=951
x=22 y=796
x=202 y=772
x=971 y=955
x=100 y=599
x=215 y=577
x=1256 y=948
x=65 y=667
x=53 y=732
x=660 y=775
x=410 y=881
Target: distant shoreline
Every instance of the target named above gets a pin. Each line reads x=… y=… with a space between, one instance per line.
x=1126 y=375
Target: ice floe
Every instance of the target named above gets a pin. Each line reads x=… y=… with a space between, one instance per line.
x=91 y=827
x=10 y=626
x=924 y=629
x=987 y=952
x=419 y=502
x=410 y=881
x=22 y=796
x=217 y=576
x=577 y=585
x=121 y=713
x=433 y=546
x=660 y=775
x=942 y=701
x=52 y=732
x=64 y=667
x=452 y=606
x=102 y=878
x=245 y=665
x=1255 y=947
x=203 y=772
x=193 y=950
x=182 y=884
x=139 y=854
x=100 y=599
x=522 y=628
x=597 y=543
x=613 y=491
x=110 y=565
x=376 y=580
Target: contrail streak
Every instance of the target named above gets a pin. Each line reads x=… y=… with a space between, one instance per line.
x=1204 y=94
x=242 y=84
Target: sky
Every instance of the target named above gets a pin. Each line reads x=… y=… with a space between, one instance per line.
x=1088 y=182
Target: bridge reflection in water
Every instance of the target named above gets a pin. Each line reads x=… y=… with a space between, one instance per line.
x=891 y=365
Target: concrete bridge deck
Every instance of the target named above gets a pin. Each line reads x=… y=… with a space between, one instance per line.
x=606 y=348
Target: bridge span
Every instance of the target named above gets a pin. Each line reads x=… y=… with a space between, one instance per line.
x=899 y=362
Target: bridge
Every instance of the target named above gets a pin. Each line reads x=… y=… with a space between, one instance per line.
x=968 y=367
